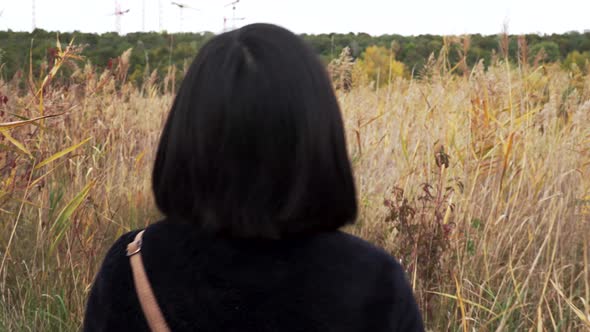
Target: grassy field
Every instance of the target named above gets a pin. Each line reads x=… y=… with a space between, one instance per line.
x=479 y=184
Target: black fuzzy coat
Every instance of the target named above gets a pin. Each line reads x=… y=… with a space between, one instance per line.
x=323 y=282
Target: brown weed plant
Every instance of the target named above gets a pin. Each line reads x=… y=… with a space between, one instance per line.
x=423 y=228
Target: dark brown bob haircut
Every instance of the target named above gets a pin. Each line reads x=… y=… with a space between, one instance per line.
x=254 y=144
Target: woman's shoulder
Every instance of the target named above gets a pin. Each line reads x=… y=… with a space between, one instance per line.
x=110 y=302
x=155 y=232
x=349 y=244
x=393 y=295
x=117 y=251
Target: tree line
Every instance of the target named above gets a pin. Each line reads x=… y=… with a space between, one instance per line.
x=159 y=51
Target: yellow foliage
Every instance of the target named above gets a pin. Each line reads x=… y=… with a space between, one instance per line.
x=378 y=65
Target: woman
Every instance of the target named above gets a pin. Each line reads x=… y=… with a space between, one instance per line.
x=254 y=181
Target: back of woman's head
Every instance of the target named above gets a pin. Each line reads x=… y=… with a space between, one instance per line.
x=254 y=144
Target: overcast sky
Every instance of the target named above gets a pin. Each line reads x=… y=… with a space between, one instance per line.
x=406 y=17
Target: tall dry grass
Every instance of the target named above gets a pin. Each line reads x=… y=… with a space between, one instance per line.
x=478 y=183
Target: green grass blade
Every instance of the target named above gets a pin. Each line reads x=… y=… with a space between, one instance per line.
x=61 y=225
x=61 y=153
x=16 y=143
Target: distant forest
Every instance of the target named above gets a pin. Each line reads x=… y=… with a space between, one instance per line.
x=160 y=50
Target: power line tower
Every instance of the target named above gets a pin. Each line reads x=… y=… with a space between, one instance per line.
x=118 y=15
x=234 y=19
x=181 y=8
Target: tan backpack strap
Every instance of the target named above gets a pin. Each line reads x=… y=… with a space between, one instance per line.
x=148 y=302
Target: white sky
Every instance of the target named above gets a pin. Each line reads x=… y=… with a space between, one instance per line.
x=406 y=17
